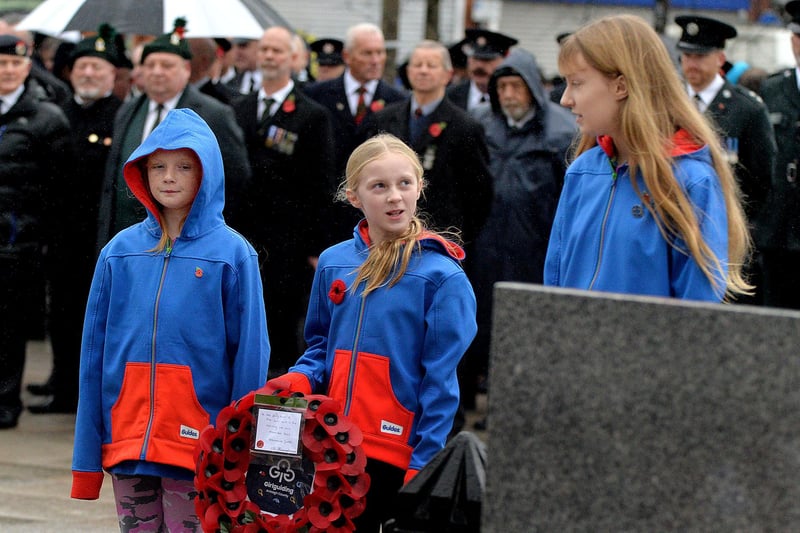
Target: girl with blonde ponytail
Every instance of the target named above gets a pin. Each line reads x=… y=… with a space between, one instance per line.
x=390 y=315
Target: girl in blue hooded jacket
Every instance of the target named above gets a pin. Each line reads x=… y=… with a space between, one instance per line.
x=175 y=330
x=391 y=313
x=649 y=205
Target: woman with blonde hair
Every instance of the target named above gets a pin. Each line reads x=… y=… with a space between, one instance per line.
x=650 y=205
x=390 y=315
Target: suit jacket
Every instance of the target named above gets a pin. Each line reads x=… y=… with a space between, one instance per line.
x=455 y=157
x=347 y=135
x=459 y=94
x=779 y=223
x=746 y=132
x=291 y=157
x=221 y=121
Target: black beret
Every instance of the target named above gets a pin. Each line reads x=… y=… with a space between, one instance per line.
x=485 y=44
x=173 y=43
x=11 y=45
x=102 y=45
x=702 y=35
x=329 y=51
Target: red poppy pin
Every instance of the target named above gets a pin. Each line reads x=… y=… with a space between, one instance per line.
x=436 y=128
x=198 y=272
x=336 y=293
x=377 y=105
x=288 y=104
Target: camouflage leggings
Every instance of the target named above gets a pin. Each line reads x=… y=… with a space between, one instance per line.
x=157 y=504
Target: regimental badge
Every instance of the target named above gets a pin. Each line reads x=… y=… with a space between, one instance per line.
x=692 y=28
x=175 y=39
x=93 y=138
x=481 y=41
x=281 y=140
x=429 y=158
x=339 y=106
x=21 y=49
x=99 y=45
x=328 y=48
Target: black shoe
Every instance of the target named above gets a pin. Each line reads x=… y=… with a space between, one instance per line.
x=9 y=417
x=54 y=406
x=40 y=389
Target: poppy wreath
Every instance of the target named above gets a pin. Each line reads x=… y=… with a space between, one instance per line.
x=330 y=440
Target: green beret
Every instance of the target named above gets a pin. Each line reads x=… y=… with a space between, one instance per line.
x=172 y=43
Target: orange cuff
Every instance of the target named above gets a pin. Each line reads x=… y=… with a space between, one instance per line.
x=86 y=485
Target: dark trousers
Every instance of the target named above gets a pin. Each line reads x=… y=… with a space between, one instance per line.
x=781 y=278
x=385 y=481
x=15 y=311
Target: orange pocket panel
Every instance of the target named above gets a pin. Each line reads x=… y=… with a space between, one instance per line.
x=131 y=411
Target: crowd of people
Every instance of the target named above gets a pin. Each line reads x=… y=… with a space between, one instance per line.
x=185 y=209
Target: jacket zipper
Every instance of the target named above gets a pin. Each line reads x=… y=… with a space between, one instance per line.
x=353 y=357
x=143 y=454
x=610 y=200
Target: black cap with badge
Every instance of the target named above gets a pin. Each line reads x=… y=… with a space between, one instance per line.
x=11 y=45
x=329 y=51
x=702 y=35
x=485 y=44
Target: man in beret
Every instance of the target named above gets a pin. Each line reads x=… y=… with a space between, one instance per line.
x=36 y=161
x=91 y=113
x=485 y=50
x=739 y=114
x=779 y=226
x=328 y=52
x=166 y=70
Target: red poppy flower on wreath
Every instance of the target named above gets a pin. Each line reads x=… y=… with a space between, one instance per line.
x=337 y=290
x=288 y=104
x=436 y=128
x=377 y=105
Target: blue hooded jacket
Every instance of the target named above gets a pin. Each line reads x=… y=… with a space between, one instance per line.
x=604 y=238
x=169 y=337
x=390 y=358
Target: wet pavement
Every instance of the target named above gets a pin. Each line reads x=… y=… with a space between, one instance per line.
x=35 y=474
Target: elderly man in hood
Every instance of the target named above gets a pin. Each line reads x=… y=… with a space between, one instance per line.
x=528 y=137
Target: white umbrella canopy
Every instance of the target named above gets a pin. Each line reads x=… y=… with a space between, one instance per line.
x=205 y=18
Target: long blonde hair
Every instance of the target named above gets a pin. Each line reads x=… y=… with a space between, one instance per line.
x=656 y=106
x=389 y=258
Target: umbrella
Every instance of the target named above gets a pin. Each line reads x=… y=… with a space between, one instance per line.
x=206 y=18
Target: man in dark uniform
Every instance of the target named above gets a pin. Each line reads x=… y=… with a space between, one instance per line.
x=779 y=226
x=349 y=99
x=485 y=50
x=36 y=165
x=739 y=114
x=91 y=113
x=288 y=138
x=328 y=54
x=166 y=71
